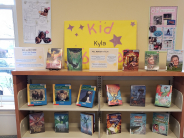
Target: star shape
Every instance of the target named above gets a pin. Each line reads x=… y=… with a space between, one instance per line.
x=116 y=40
x=76 y=34
x=132 y=24
x=81 y=27
x=70 y=27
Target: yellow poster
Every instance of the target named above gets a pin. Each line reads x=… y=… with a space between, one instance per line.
x=100 y=34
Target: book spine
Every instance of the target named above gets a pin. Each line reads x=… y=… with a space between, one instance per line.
x=79 y=96
x=54 y=102
x=28 y=97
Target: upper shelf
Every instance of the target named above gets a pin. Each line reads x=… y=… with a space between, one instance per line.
x=65 y=72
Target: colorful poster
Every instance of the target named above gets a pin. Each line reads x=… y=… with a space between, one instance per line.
x=100 y=34
x=29 y=58
x=103 y=59
x=37 y=21
x=162 y=29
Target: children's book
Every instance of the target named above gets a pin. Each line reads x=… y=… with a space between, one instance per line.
x=137 y=123
x=61 y=122
x=87 y=123
x=86 y=96
x=74 y=59
x=36 y=123
x=137 y=96
x=36 y=94
x=54 y=58
x=113 y=123
x=130 y=60
x=174 y=60
x=163 y=95
x=160 y=123
x=62 y=94
x=113 y=94
x=151 y=60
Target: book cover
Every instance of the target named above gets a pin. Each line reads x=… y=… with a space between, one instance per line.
x=86 y=96
x=163 y=95
x=62 y=94
x=151 y=60
x=137 y=96
x=113 y=123
x=36 y=94
x=54 y=58
x=36 y=123
x=174 y=60
x=86 y=122
x=137 y=123
x=74 y=59
x=61 y=122
x=160 y=123
x=113 y=94
x=130 y=60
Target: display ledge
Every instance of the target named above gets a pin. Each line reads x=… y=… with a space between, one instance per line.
x=65 y=72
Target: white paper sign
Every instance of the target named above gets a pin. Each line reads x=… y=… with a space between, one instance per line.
x=37 y=21
x=29 y=58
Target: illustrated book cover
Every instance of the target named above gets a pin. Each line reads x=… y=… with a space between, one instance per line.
x=174 y=60
x=87 y=123
x=86 y=96
x=36 y=94
x=62 y=94
x=74 y=59
x=61 y=122
x=137 y=123
x=113 y=123
x=54 y=58
x=163 y=95
x=130 y=60
x=160 y=123
x=113 y=94
x=151 y=60
x=36 y=123
x=137 y=96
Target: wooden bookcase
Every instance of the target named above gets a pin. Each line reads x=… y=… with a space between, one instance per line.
x=98 y=78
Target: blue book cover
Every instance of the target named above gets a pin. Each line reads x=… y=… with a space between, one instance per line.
x=137 y=96
x=86 y=96
x=62 y=94
x=86 y=122
x=137 y=123
x=160 y=123
x=61 y=122
x=36 y=94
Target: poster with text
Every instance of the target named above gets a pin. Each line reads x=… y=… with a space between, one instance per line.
x=162 y=28
x=100 y=34
x=37 y=21
x=29 y=58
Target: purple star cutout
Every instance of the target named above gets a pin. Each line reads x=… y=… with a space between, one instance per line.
x=81 y=27
x=116 y=40
x=70 y=27
x=76 y=34
x=132 y=24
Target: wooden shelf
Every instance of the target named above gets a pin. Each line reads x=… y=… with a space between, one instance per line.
x=51 y=107
x=65 y=72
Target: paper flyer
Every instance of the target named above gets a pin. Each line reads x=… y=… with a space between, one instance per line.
x=29 y=58
x=162 y=29
x=100 y=34
x=103 y=59
x=36 y=21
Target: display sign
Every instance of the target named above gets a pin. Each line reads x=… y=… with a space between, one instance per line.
x=29 y=58
x=103 y=59
x=100 y=34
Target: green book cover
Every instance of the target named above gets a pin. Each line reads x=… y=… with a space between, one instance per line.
x=152 y=60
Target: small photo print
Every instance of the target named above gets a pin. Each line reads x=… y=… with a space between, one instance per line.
x=152 y=39
x=62 y=95
x=157 y=20
x=152 y=29
x=167 y=16
x=170 y=22
x=168 y=31
x=167 y=43
x=157 y=45
x=37 y=95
